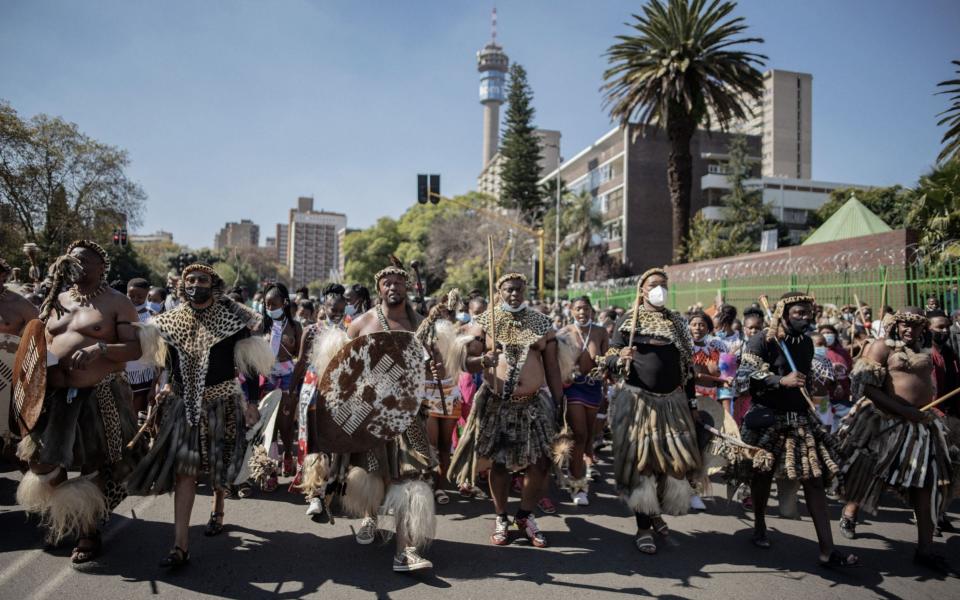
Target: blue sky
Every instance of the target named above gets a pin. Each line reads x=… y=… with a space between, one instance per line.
x=231 y=110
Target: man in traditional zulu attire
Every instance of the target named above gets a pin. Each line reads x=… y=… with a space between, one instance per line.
x=389 y=477
x=15 y=312
x=86 y=420
x=513 y=418
x=888 y=441
x=653 y=416
x=207 y=339
x=775 y=367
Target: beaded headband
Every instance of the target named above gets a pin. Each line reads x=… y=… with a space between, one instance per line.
x=650 y=272
x=390 y=271
x=510 y=276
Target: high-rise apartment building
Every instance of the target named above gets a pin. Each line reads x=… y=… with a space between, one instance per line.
x=280 y=242
x=245 y=234
x=783 y=120
x=313 y=245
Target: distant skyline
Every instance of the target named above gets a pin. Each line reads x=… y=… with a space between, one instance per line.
x=231 y=110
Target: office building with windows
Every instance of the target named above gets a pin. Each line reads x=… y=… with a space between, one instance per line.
x=625 y=172
x=245 y=234
x=313 y=243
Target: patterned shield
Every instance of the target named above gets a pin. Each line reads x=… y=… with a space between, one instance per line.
x=370 y=392
x=8 y=352
x=30 y=376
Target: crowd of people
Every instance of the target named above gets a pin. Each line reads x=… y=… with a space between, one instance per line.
x=381 y=405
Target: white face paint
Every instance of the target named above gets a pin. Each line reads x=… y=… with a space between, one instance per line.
x=657 y=296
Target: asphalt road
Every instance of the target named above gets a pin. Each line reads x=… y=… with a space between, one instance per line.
x=270 y=549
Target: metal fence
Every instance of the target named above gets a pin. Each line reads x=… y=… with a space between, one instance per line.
x=894 y=286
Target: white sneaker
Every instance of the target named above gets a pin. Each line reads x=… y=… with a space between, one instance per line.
x=581 y=499
x=315 y=508
x=367 y=532
x=696 y=503
x=410 y=560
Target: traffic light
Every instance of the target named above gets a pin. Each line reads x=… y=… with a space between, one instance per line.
x=116 y=237
x=123 y=237
x=435 y=189
x=428 y=188
x=423 y=189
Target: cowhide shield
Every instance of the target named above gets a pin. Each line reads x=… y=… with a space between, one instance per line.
x=30 y=376
x=8 y=352
x=370 y=392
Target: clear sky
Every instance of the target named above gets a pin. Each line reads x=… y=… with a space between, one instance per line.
x=231 y=110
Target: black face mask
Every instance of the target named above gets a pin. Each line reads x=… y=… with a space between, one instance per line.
x=198 y=294
x=940 y=337
x=798 y=326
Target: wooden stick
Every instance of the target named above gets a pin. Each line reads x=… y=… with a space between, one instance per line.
x=867 y=326
x=493 y=299
x=147 y=424
x=788 y=356
x=633 y=323
x=883 y=290
x=941 y=399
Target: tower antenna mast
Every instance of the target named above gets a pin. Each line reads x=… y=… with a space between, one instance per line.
x=493 y=25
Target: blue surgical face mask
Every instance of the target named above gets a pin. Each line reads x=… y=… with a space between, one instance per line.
x=275 y=314
x=820 y=351
x=350 y=310
x=155 y=306
x=830 y=338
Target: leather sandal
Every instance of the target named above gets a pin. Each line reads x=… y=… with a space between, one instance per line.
x=178 y=557
x=83 y=553
x=645 y=544
x=214 y=525
x=660 y=526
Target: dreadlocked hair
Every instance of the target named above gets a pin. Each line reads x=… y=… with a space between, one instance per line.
x=65 y=270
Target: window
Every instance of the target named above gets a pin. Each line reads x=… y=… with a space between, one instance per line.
x=717 y=169
x=612 y=230
x=795 y=216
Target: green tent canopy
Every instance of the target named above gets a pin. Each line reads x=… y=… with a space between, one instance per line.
x=852 y=220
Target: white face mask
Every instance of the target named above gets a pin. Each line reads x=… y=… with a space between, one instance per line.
x=657 y=296
x=275 y=314
x=511 y=309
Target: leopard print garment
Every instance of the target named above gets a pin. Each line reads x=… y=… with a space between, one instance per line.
x=111 y=417
x=193 y=332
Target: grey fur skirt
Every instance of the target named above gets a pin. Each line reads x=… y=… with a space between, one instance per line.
x=214 y=448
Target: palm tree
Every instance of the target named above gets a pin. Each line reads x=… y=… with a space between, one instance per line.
x=951 y=117
x=679 y=71
x=582 y=221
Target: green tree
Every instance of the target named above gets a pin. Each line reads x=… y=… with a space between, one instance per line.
x=582 y=222
x=892 y=204
x=678 y=71
x=744 y=215
x=368 y=250
x=951 y=118
x=935 y=214
x=58 y=184
x=520 y=150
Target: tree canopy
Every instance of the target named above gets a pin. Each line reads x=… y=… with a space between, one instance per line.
x=57 y=184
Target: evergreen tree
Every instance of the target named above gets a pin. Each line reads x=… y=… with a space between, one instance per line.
x=520 y=151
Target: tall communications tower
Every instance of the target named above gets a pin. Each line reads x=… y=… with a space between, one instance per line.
x=492 y=64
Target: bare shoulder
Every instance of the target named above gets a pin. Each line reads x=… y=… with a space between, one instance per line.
x=877 y=351
x=122 y=305
x=362 y=325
